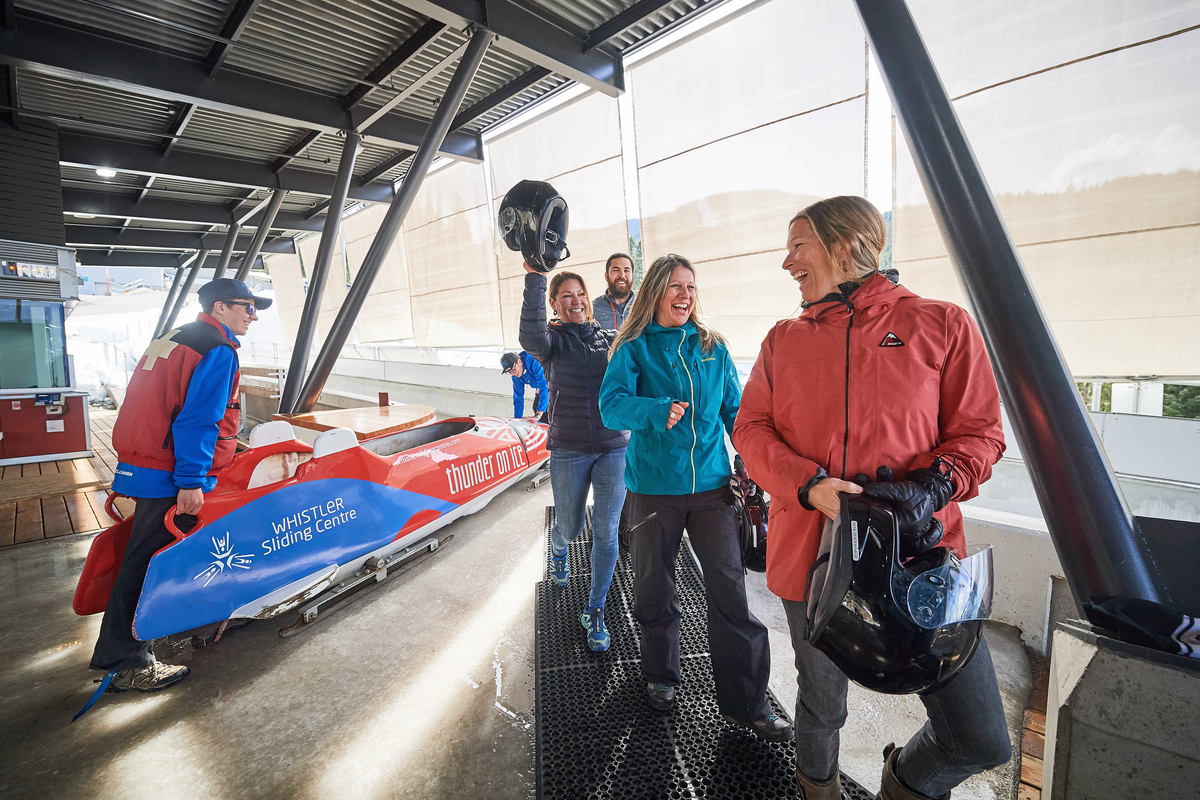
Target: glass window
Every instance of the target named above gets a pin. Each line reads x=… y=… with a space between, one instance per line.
x=34 y=345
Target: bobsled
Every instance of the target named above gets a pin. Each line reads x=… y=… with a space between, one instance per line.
x=287 y=521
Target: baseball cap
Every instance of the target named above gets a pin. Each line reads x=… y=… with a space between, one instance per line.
x=230 y=289
x=508 y=361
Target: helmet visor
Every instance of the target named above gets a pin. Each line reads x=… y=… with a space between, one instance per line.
x=958 y=591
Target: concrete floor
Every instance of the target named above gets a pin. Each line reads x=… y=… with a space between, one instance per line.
x=422 y=688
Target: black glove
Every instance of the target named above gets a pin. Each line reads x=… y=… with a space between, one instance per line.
x=914 y=500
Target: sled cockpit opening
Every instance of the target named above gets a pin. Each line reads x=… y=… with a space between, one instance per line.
x=279 y=466
x=417 y=437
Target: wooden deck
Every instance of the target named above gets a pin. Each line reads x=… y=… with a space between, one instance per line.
x=1033 y=737
x=56 y=498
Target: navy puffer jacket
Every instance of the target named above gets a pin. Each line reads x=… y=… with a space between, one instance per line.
x=574 y=358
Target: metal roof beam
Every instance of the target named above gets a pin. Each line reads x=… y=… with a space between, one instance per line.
x=130 y=258
x=294 y=152
x=238 y=19
x=122 y=206
x=98 y=235
x=89 y=151
x=525 y=34
x=387 y=166
x=177 y=125
x=75 y=54
x=396 y=61
x=622 y=22
x=500 y=96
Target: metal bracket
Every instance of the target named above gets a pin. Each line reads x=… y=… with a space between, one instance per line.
x=374 y=570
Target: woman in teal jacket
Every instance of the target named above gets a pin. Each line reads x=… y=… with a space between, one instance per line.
x=671 y=383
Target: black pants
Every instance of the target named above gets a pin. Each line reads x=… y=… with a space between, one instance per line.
x=116 y=648
x=737 y=641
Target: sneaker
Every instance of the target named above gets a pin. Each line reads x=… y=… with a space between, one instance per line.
x=597 y=635
x=662 y=696
x=771 y=728
x=148 y=679
x=559 y=571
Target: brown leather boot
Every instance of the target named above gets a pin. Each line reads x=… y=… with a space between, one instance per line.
x=830 y=789
x=891 y=787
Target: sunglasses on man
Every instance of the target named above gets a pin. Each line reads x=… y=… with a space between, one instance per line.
x=249 y=306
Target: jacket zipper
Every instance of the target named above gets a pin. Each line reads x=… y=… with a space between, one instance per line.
x=846 y=436
x=691 y=407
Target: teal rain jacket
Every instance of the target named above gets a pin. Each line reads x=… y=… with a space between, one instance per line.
x=644 y=377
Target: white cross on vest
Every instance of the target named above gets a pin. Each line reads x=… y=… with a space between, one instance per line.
x=159 y=348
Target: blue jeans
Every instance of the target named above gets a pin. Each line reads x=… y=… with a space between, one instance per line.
x=966 y=732
x=570 y=474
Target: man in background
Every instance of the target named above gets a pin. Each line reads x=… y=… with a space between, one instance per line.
x=526 y=371
x=609 y=308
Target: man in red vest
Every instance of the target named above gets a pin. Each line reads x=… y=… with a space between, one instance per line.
x=177 y=427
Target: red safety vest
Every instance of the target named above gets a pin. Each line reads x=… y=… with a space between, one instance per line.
x=159 y=385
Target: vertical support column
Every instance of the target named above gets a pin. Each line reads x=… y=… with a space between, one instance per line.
x=432 y=141
x=316 y=283
x=169 y=303
x=1093 y=531
x=183 y=292
x=260 y=235
x=227 y=250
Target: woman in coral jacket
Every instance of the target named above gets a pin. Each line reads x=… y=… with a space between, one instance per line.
x=870 y=375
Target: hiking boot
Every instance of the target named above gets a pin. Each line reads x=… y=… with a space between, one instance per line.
x=661 y=695
x=559 y=571
x=153 y=678
x=830 y=789
x=771 y=728
x=597 y=635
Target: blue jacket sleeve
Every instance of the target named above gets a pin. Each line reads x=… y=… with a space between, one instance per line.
x=518 y=397
x=731 y=397
x=620 y=406
x=195 y=429
x=536 y=379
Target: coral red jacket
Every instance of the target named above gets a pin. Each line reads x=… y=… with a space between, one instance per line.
x=143 y=434
x=890 y=378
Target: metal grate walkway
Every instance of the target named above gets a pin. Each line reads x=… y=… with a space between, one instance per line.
x=597 y=736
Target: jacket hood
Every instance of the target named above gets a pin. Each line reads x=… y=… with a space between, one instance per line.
x=879 y=290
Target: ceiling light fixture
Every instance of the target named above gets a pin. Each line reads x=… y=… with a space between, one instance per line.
x=106 y=172
x=83 y=216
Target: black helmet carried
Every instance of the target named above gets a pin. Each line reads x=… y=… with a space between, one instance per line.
x=533 y=219
x=898 y=628
x=751 y=509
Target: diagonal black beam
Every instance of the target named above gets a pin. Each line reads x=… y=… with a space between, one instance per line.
x=71 y=53
x=525 y=34
x=124 y=206
x=500 y=96
x=177 y=125
x=396 y=61
x=622 y=22
x=294 y=152
x=386 y=166
x=317 y=209
x=90 y=151
x=238 y=19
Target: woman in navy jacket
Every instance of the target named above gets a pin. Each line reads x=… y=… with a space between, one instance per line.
x=671 y=381
x=574 y=351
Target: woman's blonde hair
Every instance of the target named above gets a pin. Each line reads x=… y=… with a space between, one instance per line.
x=645 y=304
x=562 y=277
x=855 y=223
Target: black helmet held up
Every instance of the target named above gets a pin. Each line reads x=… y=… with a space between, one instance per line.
x=894 y=627
x=533 y=219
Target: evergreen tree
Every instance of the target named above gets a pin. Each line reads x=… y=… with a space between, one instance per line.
x=1181 y=401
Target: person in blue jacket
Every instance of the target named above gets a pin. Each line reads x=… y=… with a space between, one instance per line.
x=671 y=382
x=526 y=371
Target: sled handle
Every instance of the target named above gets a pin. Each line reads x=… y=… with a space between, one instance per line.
x=169 y=521
x=111 y=509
